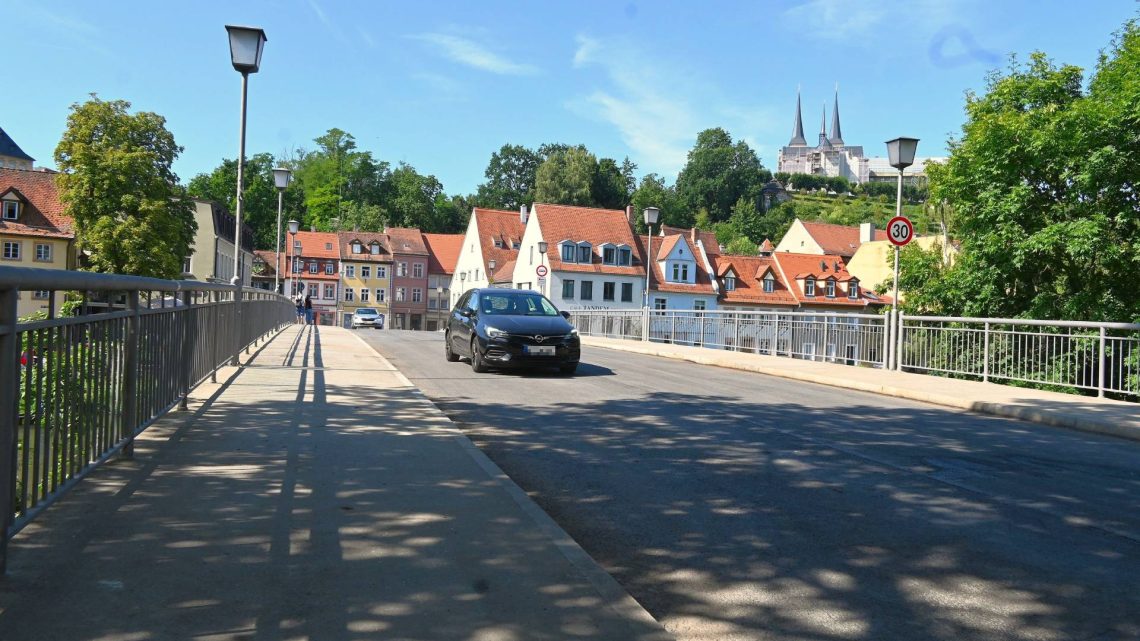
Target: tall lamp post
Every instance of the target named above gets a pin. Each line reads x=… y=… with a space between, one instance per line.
x=462 y=282
x=651 y=215
x=246 y=45
x=542 y=247
x=439 y=298
x=281 y=177
x=900 y=152
x=293 y=227
x=491 y=273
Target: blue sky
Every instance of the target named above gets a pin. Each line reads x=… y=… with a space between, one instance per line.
x=443 y=85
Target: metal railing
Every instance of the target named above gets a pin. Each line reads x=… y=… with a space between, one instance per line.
x=76 y=390
x=1100 y=357
x=853 y=339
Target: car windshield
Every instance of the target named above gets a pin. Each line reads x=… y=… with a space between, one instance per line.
x=516 y=305
x=366 y=312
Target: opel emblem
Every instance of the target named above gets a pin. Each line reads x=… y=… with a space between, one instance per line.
x=539 y=338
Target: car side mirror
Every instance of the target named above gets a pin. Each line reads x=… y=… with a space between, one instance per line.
x=467 y=312
x=565 y=314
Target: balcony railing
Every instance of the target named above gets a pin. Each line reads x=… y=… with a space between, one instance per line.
x=76 y=390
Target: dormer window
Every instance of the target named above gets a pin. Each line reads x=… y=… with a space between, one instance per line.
x=624 y=256
x=498 y=242
x=328 y=246
x=11 y=209
x=809 y=286
x=515 y=244
x=853 y=289
x=374 y=248
x=585 y=253
x=730 y=283
x=609 y=254
x=680 y=272
x=568 y=253
x=831 y=288
x=356 y=248
x=769 y=283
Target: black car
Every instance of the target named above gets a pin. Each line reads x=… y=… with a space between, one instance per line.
x=511 y=328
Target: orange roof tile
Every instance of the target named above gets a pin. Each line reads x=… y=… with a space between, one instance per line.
x=316 y=244
x=498 y=225
x=707 y=238
x=366 y=238
x=504 y=273
x=667 y=244
x=658 y=283
x=797 y=267
x=838 y=239
x=43 y=213
x=595 y=226
x=443 y=252
x=405 y=240
x=749 y=289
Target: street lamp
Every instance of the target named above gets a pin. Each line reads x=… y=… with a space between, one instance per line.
x=246 y=45
x=439 y=298
x=491 y=273
x=651 y=214
x=462 y=285
x=542 y=247
x=281 y=177
x=900 y=153
x=293 y=227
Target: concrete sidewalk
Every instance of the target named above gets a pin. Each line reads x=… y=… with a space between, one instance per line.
x=315 y=494
x=1083 y=413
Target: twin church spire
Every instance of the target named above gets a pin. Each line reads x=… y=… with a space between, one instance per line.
x=836 y=137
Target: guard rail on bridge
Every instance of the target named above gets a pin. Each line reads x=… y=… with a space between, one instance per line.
x=1069 y=356
x=75 y=390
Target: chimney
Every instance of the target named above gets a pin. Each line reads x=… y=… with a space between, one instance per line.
x=523 y=214
x=312 y=228
x=629 y=214
x=693 y=236
x=866 y=232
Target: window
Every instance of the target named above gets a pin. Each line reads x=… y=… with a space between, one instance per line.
x=401 y=269
x=624 y=256
x=298 y=265
x=853 y=290
x=381 y=271
x=11 y=250
x=348 y=294
x=43 y=252
x=364 y=294
x=568 y=253
x=584 y=254
x=381 y=295
x=515 y=244
x=399 y=294
x=186 y=265
x=350 y=271
x=659 y=304
x=313 y=267
x=328 y=245
x=769 y=283
x=608 y=290
x=532 y=254
x=498 y=242
x=417 y=295
x=627 y=292
x=609 y=255
x=330 y=269
x=41 y=294
x=809 y=287
x=417 y=270
x=356 y=247
x=699 y=305
x=567 y=289
x=830 y=288
x=330 y=291
x=313 y=290
x=680 y=272
x=730 y=283
x=11 y=209
x=587 y=290
x=296 y=246
x=374 y=248
x=365 y=272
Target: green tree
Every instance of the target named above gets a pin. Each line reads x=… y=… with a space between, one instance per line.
x=259 y=207
x=718 y=173
x=362 y=217
x=566 y=178
x=118 y=185
x=413 y=199
x=609 y=185
x=510 y=178
x=741 y=246
x=653 y=192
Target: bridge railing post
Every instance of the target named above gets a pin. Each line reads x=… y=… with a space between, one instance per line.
x=9 y=413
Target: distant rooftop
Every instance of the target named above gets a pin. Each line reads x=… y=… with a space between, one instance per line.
x=8 y=147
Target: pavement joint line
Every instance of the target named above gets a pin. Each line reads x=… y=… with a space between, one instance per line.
x=615 y=596
x=991 y=408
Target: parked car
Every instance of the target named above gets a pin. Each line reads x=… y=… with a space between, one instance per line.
x=367 y=317
x=511 y=328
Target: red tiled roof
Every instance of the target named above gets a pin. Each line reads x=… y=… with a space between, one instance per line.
x=767 y=246
x=43 y=214
x=658 y=283
x=667 y=244
x=443 y=252
x=796 y=267
x=504 y=226
x=838 y=239
x=595 y=226
x=366 y=238
x=505 y=273
x=270 y=258
x=707 y=238
x=315 y=244
x=749 y=289
x=406 y=241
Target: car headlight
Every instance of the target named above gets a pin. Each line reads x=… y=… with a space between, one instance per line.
x=495 y=333
x=574 y=331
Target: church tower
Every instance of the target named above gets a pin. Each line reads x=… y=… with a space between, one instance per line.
x=798 y=139
x=836 y=133
x=823 y=143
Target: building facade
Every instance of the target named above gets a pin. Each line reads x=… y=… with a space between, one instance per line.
x=366 y=274
x=443 y=254
x=489 y=250
x=680 y=277
x=315 y=272
x=825 y=238
x=211 y=256
x=11 y=156
x=409 y=279
x=35 y=231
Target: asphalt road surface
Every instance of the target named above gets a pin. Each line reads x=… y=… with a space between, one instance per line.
x=738 y=506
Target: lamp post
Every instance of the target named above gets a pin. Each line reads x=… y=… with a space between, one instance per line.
x=246 y=46
x=439 y=298
x=281 y=177
x=900 y=153
x=651 y=215
x=462 y=284
x=293 y=227
x=542 y=247
x=491 y=273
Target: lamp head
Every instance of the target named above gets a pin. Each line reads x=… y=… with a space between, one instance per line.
x=491 y=264
x=246 y=45
x=651 y=215
x=462 y=275
x=542 y=246
x=282 y=177
x=294 y=226
x=900 y=152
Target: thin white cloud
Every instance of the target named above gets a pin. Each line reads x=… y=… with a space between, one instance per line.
x=836 y=19
x=470 y=53
x=325 y=20
x=366 y=37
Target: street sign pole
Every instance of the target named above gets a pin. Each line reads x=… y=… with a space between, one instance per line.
x=900 y=231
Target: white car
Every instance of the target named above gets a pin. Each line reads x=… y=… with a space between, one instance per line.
x=367 y=317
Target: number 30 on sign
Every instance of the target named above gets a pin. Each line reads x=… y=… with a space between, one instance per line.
x=900 y=230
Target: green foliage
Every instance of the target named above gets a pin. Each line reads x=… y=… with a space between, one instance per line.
x=718 y=173
x=259 y=205
x=412 y=203
x=740 y=246
x=609 y=190
x=510 y=178
x=567 y=178
x=653 y=192
x=118 y=185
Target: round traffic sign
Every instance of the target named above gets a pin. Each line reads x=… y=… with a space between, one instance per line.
x=540 y=270
x=900 y=230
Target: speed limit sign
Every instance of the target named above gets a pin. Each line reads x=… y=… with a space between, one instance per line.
x=900 y=231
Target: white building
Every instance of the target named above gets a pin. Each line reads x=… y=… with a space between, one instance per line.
x=681 y=273
x=490 y=244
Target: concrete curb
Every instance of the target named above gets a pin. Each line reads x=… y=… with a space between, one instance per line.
x=607 y=587
x=1031 y=414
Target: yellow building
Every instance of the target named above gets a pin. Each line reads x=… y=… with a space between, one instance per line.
x=873 y=263
x=34 y=231
x=365 y=274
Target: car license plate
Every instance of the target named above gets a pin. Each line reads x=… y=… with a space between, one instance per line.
x=540 y=350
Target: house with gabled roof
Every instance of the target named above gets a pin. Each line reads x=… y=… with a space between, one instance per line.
x=490 y=245
x=35 y=231
x=443 y=254
x=316 y=272
x=211 y=256
x=680 y=275
x=409 y=279
x=826 y=238
x=593 y=258
x=365 y=274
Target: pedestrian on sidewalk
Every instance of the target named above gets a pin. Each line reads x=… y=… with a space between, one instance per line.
x=300 y=308
x=309 y=309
